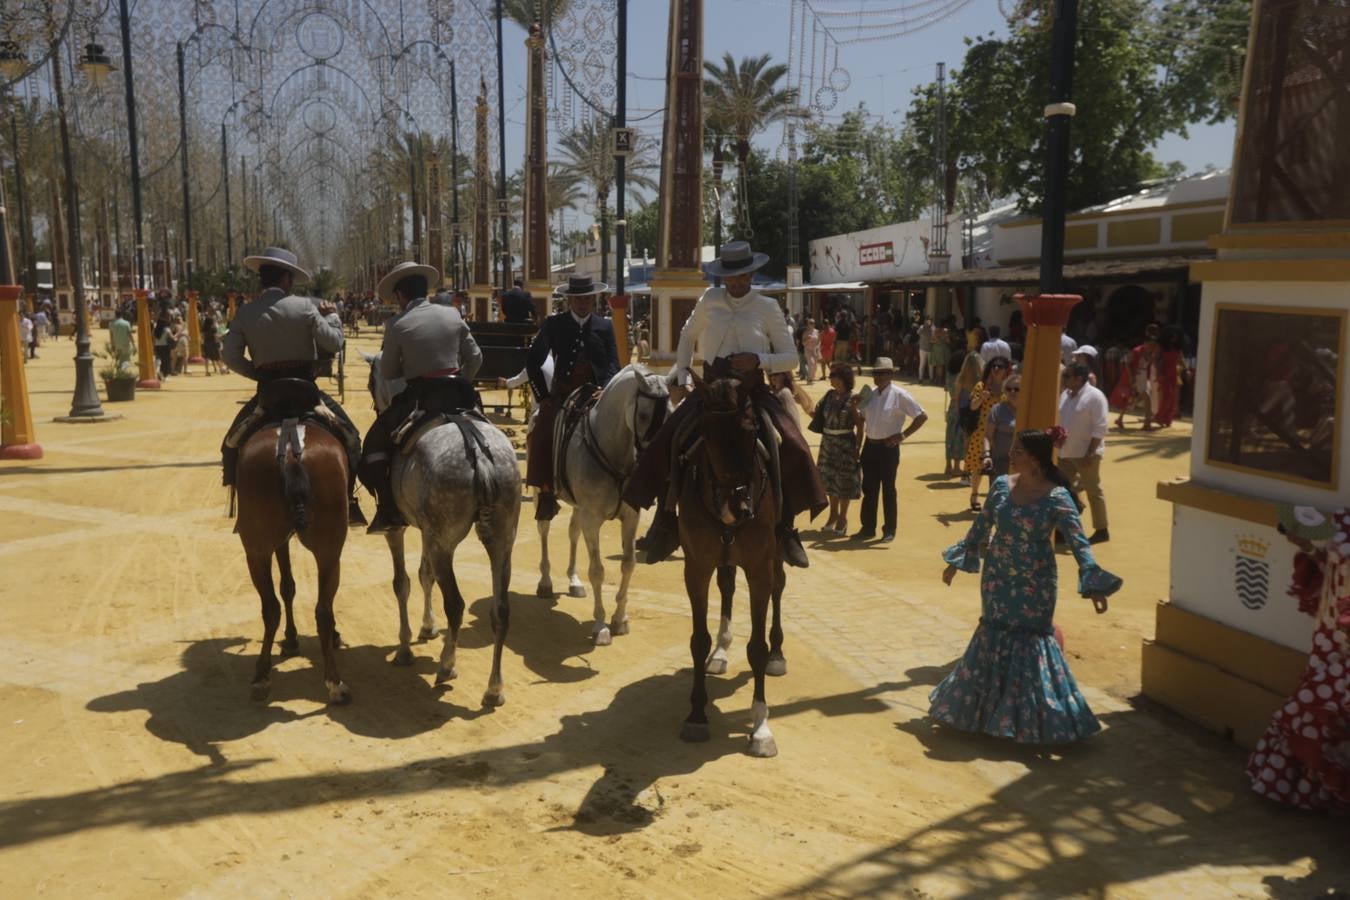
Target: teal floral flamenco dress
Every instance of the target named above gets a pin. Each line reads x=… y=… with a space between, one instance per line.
x=1013 y=681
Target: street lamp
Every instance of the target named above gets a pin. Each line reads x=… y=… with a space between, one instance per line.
x=95 y=64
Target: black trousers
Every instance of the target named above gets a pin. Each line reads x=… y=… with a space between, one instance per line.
x=378 y=448
x=879 y=465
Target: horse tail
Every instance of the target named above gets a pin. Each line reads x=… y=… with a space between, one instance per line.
x=295 y=486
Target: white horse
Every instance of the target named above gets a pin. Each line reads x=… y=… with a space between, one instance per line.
x=593 y=469
x=444 y=487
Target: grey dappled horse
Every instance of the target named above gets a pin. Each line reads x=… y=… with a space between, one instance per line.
x=440 y=493
x=593 y=468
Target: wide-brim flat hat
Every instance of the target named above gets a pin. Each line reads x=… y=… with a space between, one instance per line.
x=385 y=289
x=581 y=286
x=883 y=364
x=276 y=256
x=736 y=258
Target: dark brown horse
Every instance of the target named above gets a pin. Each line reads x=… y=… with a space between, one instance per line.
x=728 y=513
x=294 y=485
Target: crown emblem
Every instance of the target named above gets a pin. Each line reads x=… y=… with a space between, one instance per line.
x=1252 y=546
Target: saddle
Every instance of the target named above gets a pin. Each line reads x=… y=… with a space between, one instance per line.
x=289 y=401
x=440 y=401
x=571 y=414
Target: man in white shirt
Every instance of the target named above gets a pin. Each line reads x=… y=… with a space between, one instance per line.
x=881 y=421
x=1083 y=413
x=995 y=346
x=736 y=326
x=25 y=338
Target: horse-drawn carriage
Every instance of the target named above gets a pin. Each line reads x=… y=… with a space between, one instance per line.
x=504 y=346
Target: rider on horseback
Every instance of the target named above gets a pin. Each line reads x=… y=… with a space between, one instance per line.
x=283 y=335
x=748 y=330
x=429 y=345
x=584 y=352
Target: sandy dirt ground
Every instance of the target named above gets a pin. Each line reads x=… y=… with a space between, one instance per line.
x=136 y=765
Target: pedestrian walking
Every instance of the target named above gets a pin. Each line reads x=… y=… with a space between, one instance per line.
x=811 y=347
x=995 y=346
x=938 y=357
x=1083 y=414
x=1013 y=681
x=827 y=341
x=960 y=421
x=835 y=420
x=926 y=335
x=211 y=345
x=26 y=336
x=881 y=421
x=119 y=333
x=987 y=393
x=164 y=344
x=1000 y=427
x=1137 y=388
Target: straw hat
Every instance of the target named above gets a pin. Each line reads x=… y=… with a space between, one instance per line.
x=385 y=289
x=276 y=256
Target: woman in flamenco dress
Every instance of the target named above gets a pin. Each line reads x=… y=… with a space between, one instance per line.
x=1013 y=681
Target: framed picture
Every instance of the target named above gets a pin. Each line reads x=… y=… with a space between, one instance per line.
x=1275 y=394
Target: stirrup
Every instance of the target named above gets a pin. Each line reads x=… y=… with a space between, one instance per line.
x=790 y=546
x=662 y=539
x=387 y=518
x=355 y=517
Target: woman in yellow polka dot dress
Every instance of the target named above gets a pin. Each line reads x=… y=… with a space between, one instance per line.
x=984 y=397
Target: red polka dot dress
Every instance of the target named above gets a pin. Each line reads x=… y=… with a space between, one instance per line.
x=1304 y=758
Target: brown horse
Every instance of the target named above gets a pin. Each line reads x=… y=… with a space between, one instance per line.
x=728 y=512
x=294 y=482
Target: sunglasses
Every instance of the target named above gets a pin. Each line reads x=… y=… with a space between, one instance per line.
x=1014 y=390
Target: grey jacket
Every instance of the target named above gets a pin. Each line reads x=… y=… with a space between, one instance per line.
x=276 y=328
x=426 y=338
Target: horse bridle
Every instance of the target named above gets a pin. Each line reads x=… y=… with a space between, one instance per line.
x=738 y=490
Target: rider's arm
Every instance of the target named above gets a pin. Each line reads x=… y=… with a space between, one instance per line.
x=470 y=357
x=782 y=355
x=689 y=335
x=232 y=352
x=327 y=335
x=391 y=355
x=534 y=362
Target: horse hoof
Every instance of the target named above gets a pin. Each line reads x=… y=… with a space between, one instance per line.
x=776 y=667
x=716 y=666
x=289 y=647
x=694 y=732
x=576 y=590
x=544 y=592
x=763 y=748
x=339 y=694
x=445 y=675
x=493 y=699
x=404 y=657
x=337 y=641
x=602 y=637
x=618 y=628
x=427 y=634
x=260 y=690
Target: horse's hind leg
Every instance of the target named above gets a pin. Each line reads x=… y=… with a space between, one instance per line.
x=696 y=580
x=726 y=586
x=574 y=586
x=628 y=523
x=260 y=571
x=290 y=644
x=402 y=587
x=761 y=579
x=428 y=580
x=545 y=588
x=330 y=575
x=777 y=664
x=499 y=555
x=444 y=565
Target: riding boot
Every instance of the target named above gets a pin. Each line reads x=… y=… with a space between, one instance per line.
x=229 y=457
x=355 y=517
x=663 y=538
x=790 y=546
x=545 y=506
x=387 y=517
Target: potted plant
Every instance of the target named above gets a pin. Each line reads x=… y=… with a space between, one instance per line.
x=119 y=379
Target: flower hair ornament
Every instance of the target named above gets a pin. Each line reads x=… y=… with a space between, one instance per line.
x=1057 y=435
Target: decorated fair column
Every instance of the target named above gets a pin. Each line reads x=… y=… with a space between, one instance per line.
x=194 y=330
x=481 y=290
x=538 y=274
x=145 y=343
x=1045 y=316
x=619 y=305
x=17 y=439
x=678 y=279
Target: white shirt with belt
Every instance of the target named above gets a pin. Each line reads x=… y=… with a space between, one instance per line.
x=1083 y=415
x=723 y=325
x=886 y=410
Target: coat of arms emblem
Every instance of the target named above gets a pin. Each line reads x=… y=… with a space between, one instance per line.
x=1251 y=571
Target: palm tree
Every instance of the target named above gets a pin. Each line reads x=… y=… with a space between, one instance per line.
x=740 y=100
x=588 y=157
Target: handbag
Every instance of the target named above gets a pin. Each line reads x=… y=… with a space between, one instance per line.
x=817 y=423
x=969 y=418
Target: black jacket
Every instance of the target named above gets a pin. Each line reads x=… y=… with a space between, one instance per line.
x=517 y=306
x=570 y=343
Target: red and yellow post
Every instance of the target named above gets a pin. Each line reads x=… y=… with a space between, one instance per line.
x=1045 y=316
x=145 y=343
x=194 y=330
x=17 y=439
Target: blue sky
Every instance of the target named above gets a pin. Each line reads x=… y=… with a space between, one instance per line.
x=883 y=73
